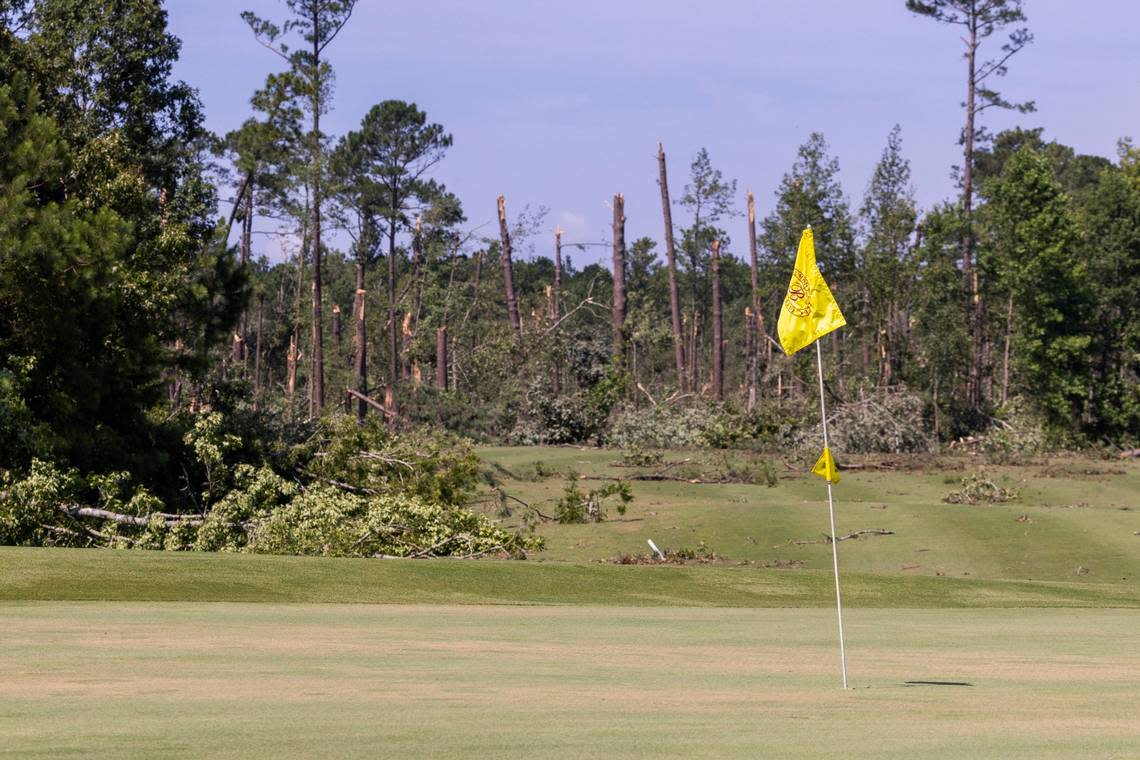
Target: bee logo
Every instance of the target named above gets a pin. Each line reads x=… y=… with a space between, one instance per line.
x=797 y=302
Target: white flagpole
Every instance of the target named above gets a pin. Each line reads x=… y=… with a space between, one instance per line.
x=831 y=513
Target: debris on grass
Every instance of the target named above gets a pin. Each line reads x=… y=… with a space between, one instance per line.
x=979 y=488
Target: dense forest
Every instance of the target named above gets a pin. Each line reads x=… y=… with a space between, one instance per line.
x=166 y=384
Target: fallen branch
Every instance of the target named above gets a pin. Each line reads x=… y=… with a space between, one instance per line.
x=73 y=510
x=1128 y=454
x=827 y=539
x=371 y=402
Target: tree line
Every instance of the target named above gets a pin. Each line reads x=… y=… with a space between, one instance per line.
x=134 y=298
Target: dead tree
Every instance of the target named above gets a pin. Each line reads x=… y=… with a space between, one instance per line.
x=556 y=306
x=757 y=335
x=360 y=342
x=336 y=324
x=618 y=314
x=671 y=259
x=718 y=327
x=508 y=275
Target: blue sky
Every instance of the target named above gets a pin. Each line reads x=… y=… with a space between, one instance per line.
x=561 y=104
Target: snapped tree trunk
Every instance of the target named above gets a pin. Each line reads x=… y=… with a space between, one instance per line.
x=393 y=323
x=618 y=314
x=317 y=353
x=973 y=311
x=718 y=327
x=556 y=307
x=360 y=342
x=508 y=274
x=755 y=315
x=671 y=261
x=336 y=325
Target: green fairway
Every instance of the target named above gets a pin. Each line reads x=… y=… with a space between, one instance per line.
x=1075 y=519
x=133 y=680
x=989 y=631
x=106 y=575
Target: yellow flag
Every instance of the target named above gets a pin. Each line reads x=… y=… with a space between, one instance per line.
x=825 y=467
x=809 y=311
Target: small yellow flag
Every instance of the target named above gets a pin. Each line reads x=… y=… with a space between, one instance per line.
x=826 y=468
x=809 y=311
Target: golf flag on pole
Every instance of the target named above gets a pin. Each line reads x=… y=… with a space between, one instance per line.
x=809 y=310
x=825 y=467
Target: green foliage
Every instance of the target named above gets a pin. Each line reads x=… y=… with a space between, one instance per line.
x=1034 y=242
x=590 y=507
x=370 y=459
x=29 y=505
x=328 y=522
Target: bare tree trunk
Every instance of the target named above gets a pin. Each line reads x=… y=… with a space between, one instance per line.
x=393 y=324
x=718 y=327
x=973 y=309
x=336 y=325
x=241 y=347
x=417 y=293
x=508 y=273
x=360 y=341
x=618 y=314
x=291 y=369
x=257 y=353
x=317 y=357
x=1005 y=358
x=556 y=306
x=441 y=358
x=671 y=259
x=755 y=315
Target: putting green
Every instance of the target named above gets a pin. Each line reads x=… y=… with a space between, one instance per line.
x=175 y=680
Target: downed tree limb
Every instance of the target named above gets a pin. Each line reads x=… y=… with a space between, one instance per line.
x=826 y=539
x=649 y=476
x=371 y=402
x=1128 y=454
x=74 y=510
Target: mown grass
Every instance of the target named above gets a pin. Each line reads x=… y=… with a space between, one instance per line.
x=107 y=575
x=961 y=637
x=181 y=680
x=1074 y=520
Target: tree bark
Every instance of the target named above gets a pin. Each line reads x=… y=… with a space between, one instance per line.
x=257 y=353
x=969 y=274
x=556 y=307
x=417 y=291
x=317 y=357
x=393 y=323
x=508 y=272
x=1005 y=358
x=755 y=330
x=441 y=358
x=336 y=325
x=718 y=327
x=360 y=341
x=671 y=260
x=618 y=313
